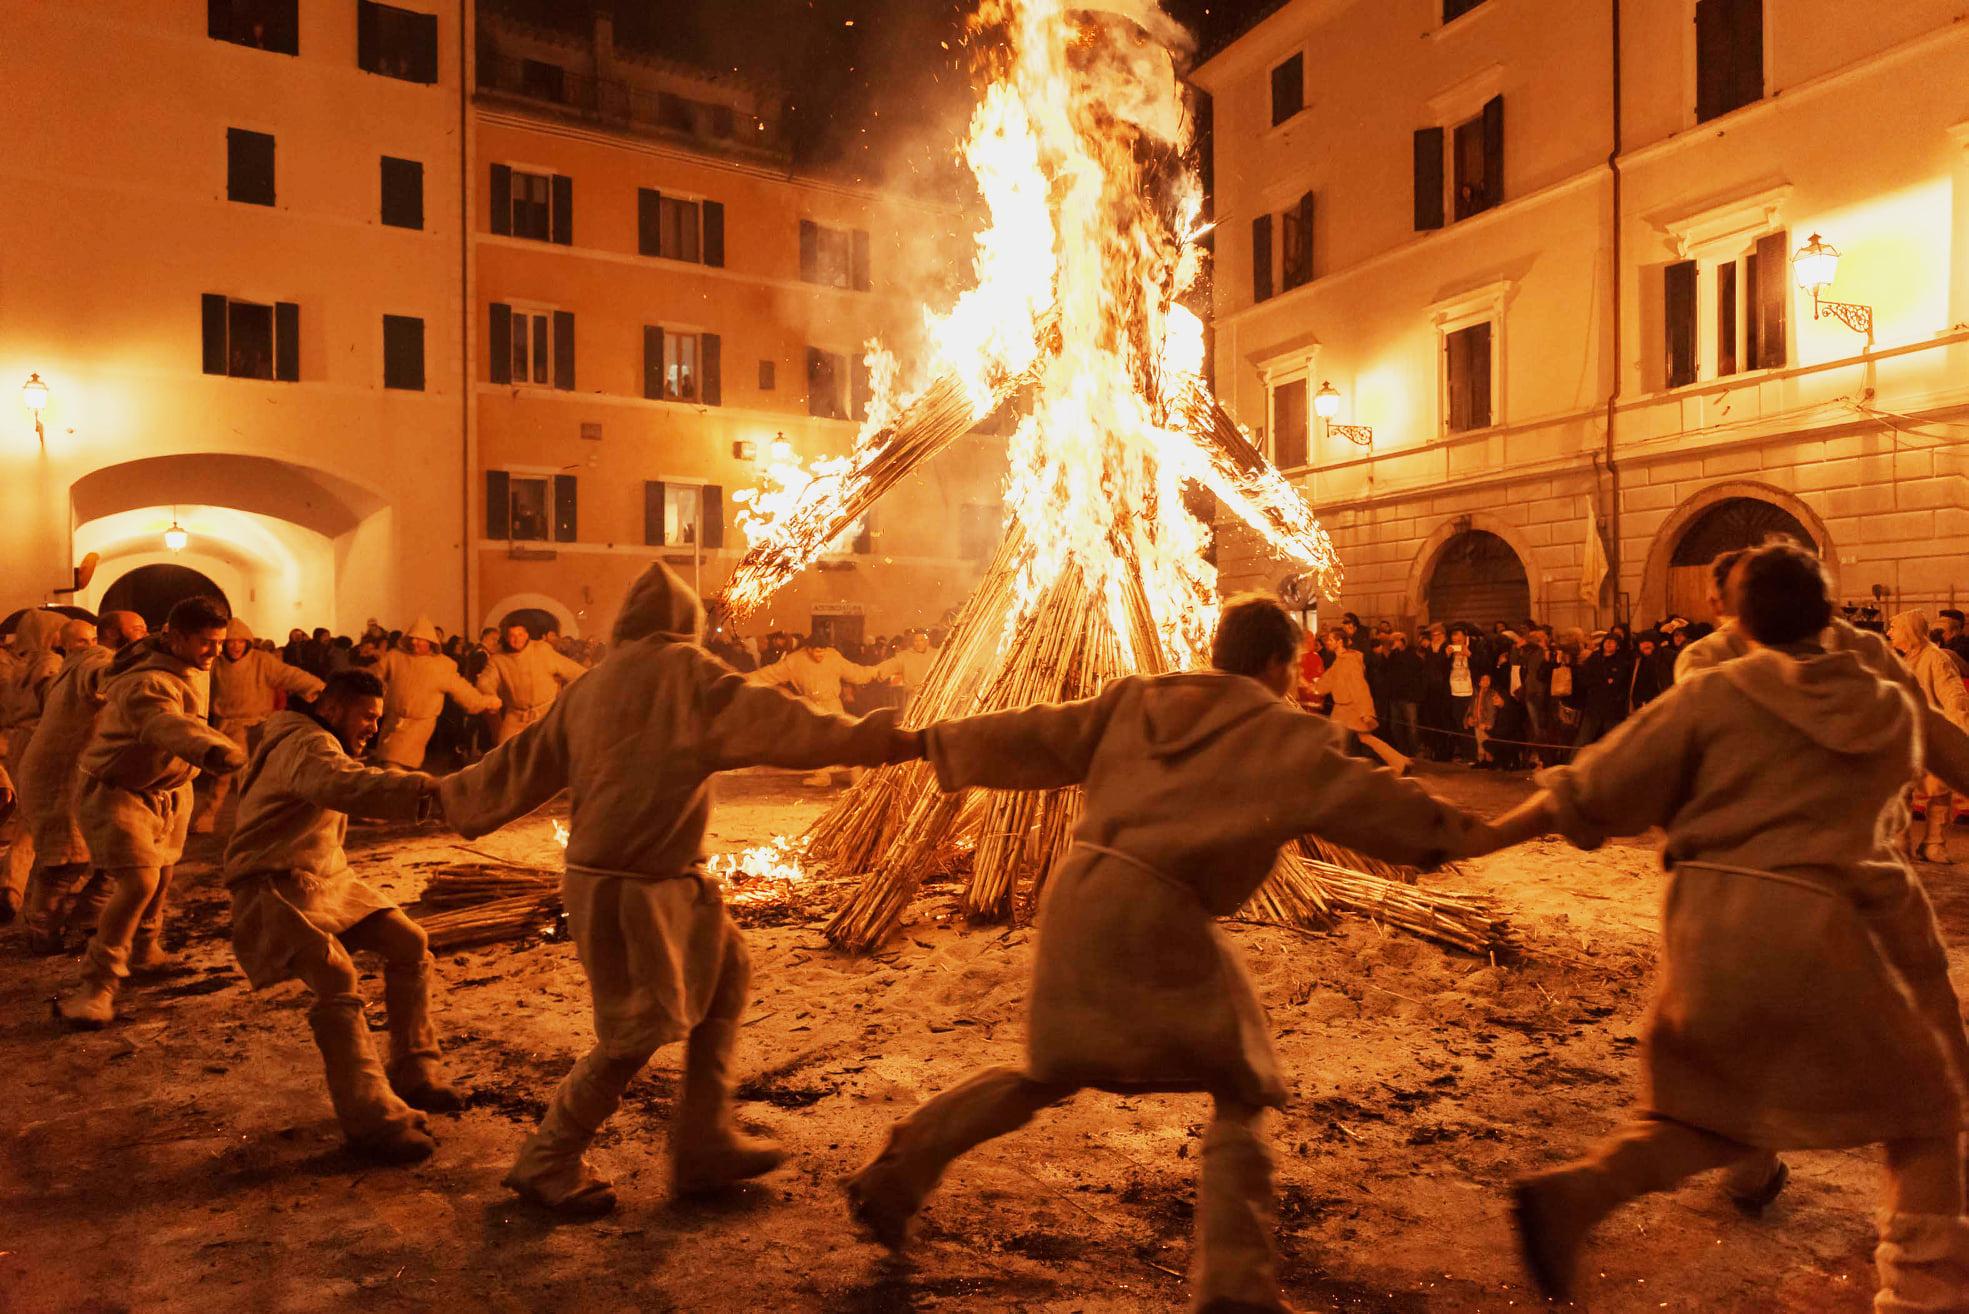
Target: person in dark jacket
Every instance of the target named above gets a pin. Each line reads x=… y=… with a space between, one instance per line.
x=1407 y=685
x=1603 y=683
x=1652 y=674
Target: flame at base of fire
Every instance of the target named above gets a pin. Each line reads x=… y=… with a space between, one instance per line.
x=761 y=873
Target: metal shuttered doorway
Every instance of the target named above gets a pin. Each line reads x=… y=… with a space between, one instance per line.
x=1478 y=578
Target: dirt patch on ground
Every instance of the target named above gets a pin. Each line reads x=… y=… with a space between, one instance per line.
x=186 y=1159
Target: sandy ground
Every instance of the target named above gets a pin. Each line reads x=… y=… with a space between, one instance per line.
x=186 y=1159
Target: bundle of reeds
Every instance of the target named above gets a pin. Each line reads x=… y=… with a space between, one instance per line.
x=467 y=904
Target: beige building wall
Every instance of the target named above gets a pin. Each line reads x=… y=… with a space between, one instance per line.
x=323 y=500
x=1860 y=134
x=603 y=433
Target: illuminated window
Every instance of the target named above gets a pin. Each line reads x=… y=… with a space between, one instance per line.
x=531 y=346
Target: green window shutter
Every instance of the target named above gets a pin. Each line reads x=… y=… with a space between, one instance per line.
x=649 y=230
x=1428 y=179
x=502 y=200
x=498 y=504
x=212 y=317
x=1679 y=322
x=286 y=341
x=714 y=234
x=563 y=200
x=653 y=512
x=712 y=516
x=564 y=350
x=652 y=362
x=564 y=509
x=501 y=340
x=1261 y=258
x=710 y=388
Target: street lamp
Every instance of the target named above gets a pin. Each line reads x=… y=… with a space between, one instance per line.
x=1326 y=404
x=34 y=394
x=1815 y=265
x=175 y=537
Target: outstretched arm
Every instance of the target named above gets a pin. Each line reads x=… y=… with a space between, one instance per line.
x=1049 y=746
x=512 y=780
x=324 y=775
x=752 y=725
x=195 y=741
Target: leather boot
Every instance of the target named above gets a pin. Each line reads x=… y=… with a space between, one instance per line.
x=414 y=1052
x=1936 y=818
x=707 y=1151
x=1923 y=1261
x=50 y=893
x=375 y=1122
x=551 y=1170
x=1755 y=1183
x=887 y=1193
x=1236 y=1266
x=91 y=1006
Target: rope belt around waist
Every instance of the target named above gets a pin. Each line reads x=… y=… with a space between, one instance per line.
x=159 y=800
x=1138 y=864
x=1821 y=887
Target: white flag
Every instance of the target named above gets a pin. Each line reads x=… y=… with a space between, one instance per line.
x=1593 y=569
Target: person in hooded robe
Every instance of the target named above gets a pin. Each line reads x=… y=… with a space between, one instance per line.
x=61 y=892
x=245 y=683
x=418 y=678
x=635 y=742
x=23 y=694
x=152 y=739
x=1939 y=686
x=1192 y=782
x=300 y=912
x=1803 y=999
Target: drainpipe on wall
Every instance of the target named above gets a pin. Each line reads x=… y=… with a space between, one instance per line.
x=467 y=448
x=1613 y=275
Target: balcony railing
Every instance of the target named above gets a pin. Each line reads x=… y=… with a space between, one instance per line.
x=620 y=104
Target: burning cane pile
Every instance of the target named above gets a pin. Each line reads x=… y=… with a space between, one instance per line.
x=1080 y=149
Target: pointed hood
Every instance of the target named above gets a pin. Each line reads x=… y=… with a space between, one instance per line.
x=1182 y=712
x=236 y=629
x=35 y=632
x=660 y=605
x=1829 y=697
x=421 y=628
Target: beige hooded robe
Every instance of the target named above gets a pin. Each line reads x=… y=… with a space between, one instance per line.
x=816 y=679
x=415 y=687
x=243 y=691
x=1192 y=784
x=636 y=742
x=526 y=683
x=291 y=881
x=51 y=766
x=1804 y=999
x=151 y=740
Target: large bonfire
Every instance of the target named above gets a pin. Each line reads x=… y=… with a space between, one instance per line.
x=1080 y=146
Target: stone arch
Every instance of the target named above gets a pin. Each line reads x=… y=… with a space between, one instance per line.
x=152 y=590
x=1423 y=567
x=569 y=625
x=1661 y=552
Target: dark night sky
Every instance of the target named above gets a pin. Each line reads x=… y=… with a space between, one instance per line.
x=875 y=87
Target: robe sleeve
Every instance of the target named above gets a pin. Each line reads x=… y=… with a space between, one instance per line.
x=748 y=725
x=510 y=781
x=320 y=772
x=1636 y=777
x=1049 y=746
x=488 y=681
x=566 y=668
x=290 y=678
x=466 y=695
x=855 y=672
x=779 y=673
x=1359 y=805
x=165 y=727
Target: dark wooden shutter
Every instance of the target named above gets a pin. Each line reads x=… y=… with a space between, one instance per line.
x=714 y=234
x=1729 y=56
x=498 y=504
x=249 y=167
x=402 y=192
x=501 y=343
x=652 y=362
x=1428 y=179
x=649 y=221
x=1288 y=89
x=1679 y=322
x=286 y=341
x=502 y=199
x=1261 y=258
x=1493 y=152
x=859 y=388
x=809 y=251
x=368 y=52
x=711 y=515
x=424 y=29
x=653 y=512
x=1769 y=308
x=1298 y=259
x=859 y=262
x=1480 y=349
x=564 y=350
x=563 y=209
x=212 y=318
x=564 y=509
x=1726 y=318
x=1752 y=344
x=710 y=387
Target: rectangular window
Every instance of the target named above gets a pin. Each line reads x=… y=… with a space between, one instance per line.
x=532 y=346
x=681 y=367
x=1478 y=146
x=1296 y=244
x=1679 y=321
x=827 y=377
x=542 y=80
x=262 y=24
x=834 y=257
x=1289 y=425
x=251 y=340
x=768 y=376
x=249 y=166
x=403 y=352
x=1428 y=179
x=539 y=206
x=683 y=505
x=724 y=123
x=668 y=226
x=1729 y=56
x=403 y=193
x=683 y=515
x=397 y=43
x=680 y=371
x=1466 y=369
x=1288 y=89
x=529 y=514
x=1455 y=9
x=1766 y=285
x=1261 y=258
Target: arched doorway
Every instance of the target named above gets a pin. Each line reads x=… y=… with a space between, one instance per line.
x=1733 y=523
x=1477 y=577
x=537 y=621
x=151 y=591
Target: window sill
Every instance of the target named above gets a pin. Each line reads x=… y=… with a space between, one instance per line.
x=1461 y=23
x=1718 y=383
x=1491 y=430
x=1279 y=128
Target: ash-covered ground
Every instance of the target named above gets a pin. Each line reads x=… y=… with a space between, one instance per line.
x=186 y=1158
